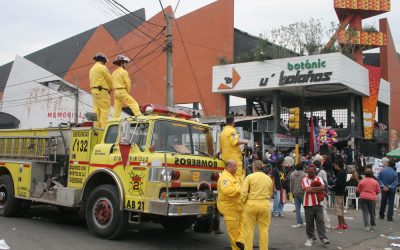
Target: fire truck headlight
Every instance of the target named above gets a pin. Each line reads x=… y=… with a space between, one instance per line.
x=166 y=175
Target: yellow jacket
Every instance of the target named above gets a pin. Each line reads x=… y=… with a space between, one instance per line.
x=121 y=80
x=228 y=140
x=228 y=201
x=257 y=186
x=99 y=76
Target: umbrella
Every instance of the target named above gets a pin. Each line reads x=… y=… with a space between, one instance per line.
x=394 y=153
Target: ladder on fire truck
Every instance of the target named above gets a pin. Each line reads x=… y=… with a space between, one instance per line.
x=29 y=148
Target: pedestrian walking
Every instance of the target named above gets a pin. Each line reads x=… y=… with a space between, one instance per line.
x=230 y=146
x=100 y=87
x=280 y=184
x=388 y=181
x=229 y=203
x=368 y=188
x=339 y=187
x=122 y=88
x=313 y=207
x=256 y=192
x=296 y=179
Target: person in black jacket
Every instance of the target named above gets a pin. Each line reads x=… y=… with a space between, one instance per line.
x=277 y=207
x=339 y=187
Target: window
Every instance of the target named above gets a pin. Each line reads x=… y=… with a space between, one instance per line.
x=140 y=135
x=171 y=137
x=181 y=138
x=111 y=135
x=202 y=141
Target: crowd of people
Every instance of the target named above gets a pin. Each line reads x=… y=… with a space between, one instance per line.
x=244 y=201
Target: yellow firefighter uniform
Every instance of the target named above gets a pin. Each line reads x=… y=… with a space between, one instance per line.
x=256 y=191
x=100 y=85
x=228 y=140
x=229 y=205
x=122 y=88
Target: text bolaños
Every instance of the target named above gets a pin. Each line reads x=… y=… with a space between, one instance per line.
x=304 y=78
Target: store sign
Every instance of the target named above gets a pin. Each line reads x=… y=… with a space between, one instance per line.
x=307 y=64
x=286 y=141
x=293 y=73
x=309 y=77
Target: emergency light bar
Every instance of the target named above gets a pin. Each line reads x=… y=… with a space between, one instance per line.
x=164 y=110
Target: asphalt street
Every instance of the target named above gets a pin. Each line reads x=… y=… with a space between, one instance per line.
x=44 y=228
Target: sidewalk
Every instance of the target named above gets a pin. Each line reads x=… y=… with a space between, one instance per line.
x=284 y=236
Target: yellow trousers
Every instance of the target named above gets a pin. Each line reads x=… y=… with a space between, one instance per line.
x=256 y=212
x=121 y=97
x=101 y=106
x=233 y=229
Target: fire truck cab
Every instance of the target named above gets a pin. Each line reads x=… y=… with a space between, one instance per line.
x=159 y=167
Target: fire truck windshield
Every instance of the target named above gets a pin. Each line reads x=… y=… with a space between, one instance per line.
x=182 y=138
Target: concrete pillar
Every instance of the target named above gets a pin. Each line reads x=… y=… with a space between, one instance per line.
x=276 y=103
x=269 y=108
x=329 y=117
x=227 y=104
x=249 y=107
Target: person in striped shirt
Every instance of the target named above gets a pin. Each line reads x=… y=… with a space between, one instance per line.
x=313 y=207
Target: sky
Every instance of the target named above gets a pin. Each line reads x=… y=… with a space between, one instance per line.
x=30 y=25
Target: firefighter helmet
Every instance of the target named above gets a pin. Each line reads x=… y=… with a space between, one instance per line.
x=121 y=58
x=100 y=57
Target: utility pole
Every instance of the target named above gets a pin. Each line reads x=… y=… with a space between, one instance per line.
x=76 y=99
x=168 y=48
x=76 y=92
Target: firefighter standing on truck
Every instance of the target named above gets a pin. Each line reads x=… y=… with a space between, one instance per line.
x=122 y=88
x=229 y=146
x=100 y=86
x=229 y=203
x=256 y=192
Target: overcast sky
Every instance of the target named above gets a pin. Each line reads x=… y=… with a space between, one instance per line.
x=30 y=25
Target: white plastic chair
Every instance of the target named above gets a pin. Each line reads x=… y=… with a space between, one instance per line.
x=351 y=195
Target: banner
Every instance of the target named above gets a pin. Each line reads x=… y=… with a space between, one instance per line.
x=369 y=103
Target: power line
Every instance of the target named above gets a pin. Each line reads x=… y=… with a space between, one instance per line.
x=145 y=65
x=87 y=88
x=191 y=69
x=78 y=67
x=115 y=9
x=136 y=15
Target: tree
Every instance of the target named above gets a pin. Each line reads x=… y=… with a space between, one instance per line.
x=303 y=37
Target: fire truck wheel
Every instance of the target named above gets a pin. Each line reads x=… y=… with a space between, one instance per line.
x=103 y=215
x=177 y=223
x=9 y=205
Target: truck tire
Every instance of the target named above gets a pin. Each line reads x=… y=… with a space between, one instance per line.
x=9 y=205
x=177 y=224
x=103 y=215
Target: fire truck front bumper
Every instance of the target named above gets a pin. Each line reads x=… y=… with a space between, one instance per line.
x=181 y=207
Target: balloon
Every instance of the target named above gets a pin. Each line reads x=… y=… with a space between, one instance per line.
x=326 y=137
